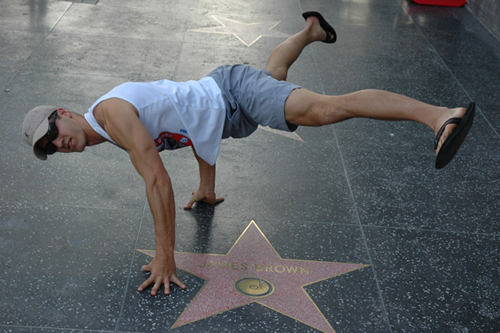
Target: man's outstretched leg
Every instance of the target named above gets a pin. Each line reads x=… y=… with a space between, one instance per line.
x=306 y=108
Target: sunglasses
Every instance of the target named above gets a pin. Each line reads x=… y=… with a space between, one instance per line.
x=52 y=134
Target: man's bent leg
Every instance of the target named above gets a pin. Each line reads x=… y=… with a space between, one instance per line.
x=285 y=54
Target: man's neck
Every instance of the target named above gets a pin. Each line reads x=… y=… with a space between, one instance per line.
x=93 y=138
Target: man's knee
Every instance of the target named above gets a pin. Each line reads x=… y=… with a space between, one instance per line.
x=307 y=108
x=279 y=73
x=328 y=110
x=337 y=111
x=297 y=107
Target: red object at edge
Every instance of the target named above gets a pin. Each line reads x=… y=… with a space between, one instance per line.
x=450 y=3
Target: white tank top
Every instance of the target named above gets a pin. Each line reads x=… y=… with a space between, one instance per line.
x=176 y=114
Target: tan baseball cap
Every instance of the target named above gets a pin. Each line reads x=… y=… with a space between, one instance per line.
x=35 y=126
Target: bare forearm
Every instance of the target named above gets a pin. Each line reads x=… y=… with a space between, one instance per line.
x=206 y=191
x=162 y=267
x=207 y=179
x=207 y=175
x=162 y=204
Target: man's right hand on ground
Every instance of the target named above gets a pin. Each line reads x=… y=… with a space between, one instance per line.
x=162 y=272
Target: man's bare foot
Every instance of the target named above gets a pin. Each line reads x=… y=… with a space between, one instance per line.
x=451 y=113
x=326 y=35
x=315 y=31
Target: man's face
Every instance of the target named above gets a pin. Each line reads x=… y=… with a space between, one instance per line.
x=64 y=134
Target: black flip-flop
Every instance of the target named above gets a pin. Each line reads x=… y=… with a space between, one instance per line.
x=331 y=34
x=454 y=141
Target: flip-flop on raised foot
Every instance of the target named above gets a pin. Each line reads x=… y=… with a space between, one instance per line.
x=330 y=32
x=454 y=141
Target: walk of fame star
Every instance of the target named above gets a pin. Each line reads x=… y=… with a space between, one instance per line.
x=252 y=271
x=247 y=33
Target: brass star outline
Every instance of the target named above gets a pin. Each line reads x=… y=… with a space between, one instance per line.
x=247 y=33
x=253 y=257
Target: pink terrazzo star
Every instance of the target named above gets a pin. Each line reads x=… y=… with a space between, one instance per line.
x=252 y=257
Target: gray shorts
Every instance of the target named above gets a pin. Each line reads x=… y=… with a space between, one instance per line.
x=252 y=98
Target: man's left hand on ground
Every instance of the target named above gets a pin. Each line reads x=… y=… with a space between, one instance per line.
x=200 y=196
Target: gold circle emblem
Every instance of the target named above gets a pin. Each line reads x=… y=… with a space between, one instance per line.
x=254 y=287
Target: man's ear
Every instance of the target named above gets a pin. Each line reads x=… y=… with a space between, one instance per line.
x=63 y=112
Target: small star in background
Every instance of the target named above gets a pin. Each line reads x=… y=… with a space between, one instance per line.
x=247 y=33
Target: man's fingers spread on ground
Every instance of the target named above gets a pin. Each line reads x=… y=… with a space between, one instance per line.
x=194 y=198
x=178 y=282
x=215 y=201
x=190 y=203
x=146 y=268
x=146 y=284
x=166 y=283
x=156 y=287
x=206 y=200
